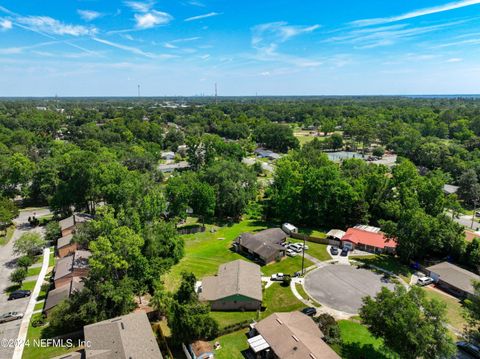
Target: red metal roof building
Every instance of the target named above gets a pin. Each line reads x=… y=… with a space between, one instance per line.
x=368 y=239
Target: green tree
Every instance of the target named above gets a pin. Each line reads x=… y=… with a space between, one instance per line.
x=409 y=323
x=469 y=188
x=276 y=137
x=472 y=314
x=24 y=262
x=29 y=244
x=203 y=200
x=18 y=275
x=52 y=232
x=8 y=211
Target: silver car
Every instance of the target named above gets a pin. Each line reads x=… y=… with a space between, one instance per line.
x=10 y=316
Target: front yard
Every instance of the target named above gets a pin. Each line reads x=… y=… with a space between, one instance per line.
x=388 y=263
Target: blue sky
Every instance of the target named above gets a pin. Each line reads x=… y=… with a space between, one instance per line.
x=268 y=47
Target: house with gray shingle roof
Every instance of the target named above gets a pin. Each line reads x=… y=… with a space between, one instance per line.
x=264 y=246
x=58 y=295
x=126 y=337
x=74 y=265
x=453 y=279
x=237 y=286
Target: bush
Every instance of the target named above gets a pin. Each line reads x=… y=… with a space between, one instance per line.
x=286 y=281
x=18 y=275
x=52 y=232
x=378 y=151
x=329 y=328
x=38 y=322
x=24 y=262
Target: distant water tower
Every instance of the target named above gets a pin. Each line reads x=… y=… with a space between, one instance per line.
x=138 y=89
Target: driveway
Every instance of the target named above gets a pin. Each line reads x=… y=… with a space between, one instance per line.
x=342 y=287
x=7 y=265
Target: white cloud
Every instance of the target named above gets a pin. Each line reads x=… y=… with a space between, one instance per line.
x=279 y=32
x=19 y=50
x=49 y=25
x=416 y=13
x=131 y=49
x=140 y=6
x=170 y=46
x=88 y=15
x=455 y=59
x=5 y=24
x=204 y=16
x=151 y=19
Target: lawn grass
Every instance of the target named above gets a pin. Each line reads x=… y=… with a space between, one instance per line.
x=33 y=271
x=29 y=285
x=232 y=345
x=204 y=252
x=358 y=342
x=317 y=250
x=51 y=259
x=388 y=263
x=276 y=298
x=7 y=235
x=36 y=352
x=38 y=306
x=305 y=296
x=226 y=319
x=312 y=232
x=454 y=308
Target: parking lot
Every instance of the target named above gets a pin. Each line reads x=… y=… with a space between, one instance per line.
x=342 y=287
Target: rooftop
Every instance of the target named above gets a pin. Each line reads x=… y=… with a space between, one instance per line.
x=126 y=337
x=64 y=241
x=67 y=264
x=368 y=238
x=56 y=295
x=294 y=336
x=455 y=276
x=237 y=277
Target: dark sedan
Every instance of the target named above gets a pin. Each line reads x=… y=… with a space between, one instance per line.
x=310 y=311
x=19 y=294
x=334 y=250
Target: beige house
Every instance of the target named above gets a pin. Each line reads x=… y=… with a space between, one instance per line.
x=289 y=336
x=237 y=286
x=74 y=265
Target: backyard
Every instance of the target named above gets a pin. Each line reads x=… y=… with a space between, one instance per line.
x=358 y=342
x=204 y=252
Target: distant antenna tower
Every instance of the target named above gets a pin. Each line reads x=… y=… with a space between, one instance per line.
x=138 y=87
x=216 y=94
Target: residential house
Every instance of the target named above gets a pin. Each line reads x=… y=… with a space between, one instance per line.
x=369 y=239
x=450 y=189
x=335 y=234
x=237 y=286
x=291 y=335
x=263 y=153
x=74 y=265
x=58 y=295
x=264 y=246
x=168 y=155
x=453 y=279
x=126 y=337
x=170 y=167
x=66 y=245
x=68 y=225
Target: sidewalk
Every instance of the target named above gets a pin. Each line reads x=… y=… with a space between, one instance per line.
x=22 y=335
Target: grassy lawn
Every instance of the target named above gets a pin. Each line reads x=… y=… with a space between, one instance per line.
x=232 y=345
x=51 y=260
x=388 y=263
x=454 y=308
x=358 y=342
x=38 y=306
x=33 y=271
x=204 y=252
x=316 y=250
x=312 y=232
x=276 y=298
x=305 y=296
x=33 y=352
x=29 y=285
x=7 y=235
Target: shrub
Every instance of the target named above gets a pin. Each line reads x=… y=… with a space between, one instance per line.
x=378 y=151
x=24 y=262
x=18 y=275
x=39 y=321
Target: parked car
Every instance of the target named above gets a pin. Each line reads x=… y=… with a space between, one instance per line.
x=469 y=348
x=424 y=281
x=295 y=247
x=344 y=252
x=277 y=276
x=19 y=294
x=10 y=316
x=334 y=250
x=291 y=253
x=477 y=214
x=301 y=245
x=310 y=311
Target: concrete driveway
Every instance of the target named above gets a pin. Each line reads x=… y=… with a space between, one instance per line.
x=342 y=287
x=7 y=265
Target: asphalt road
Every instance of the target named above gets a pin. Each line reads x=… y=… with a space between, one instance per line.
x=10 y=330
x=342 y=287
